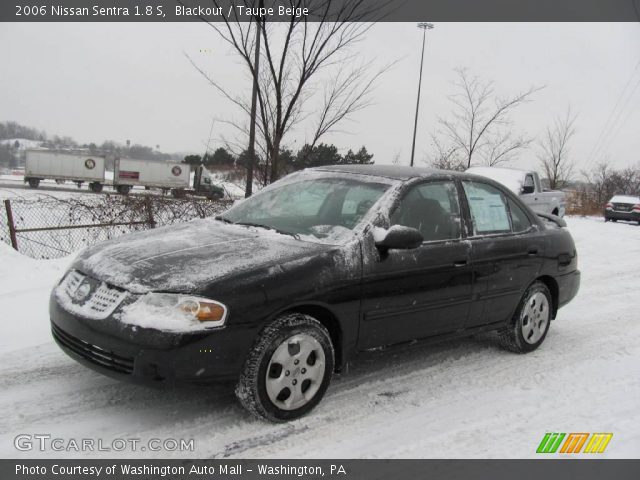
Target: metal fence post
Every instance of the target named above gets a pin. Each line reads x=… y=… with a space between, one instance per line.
x=149 y=208
x=12 y=227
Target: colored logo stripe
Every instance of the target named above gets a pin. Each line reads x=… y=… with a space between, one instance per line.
x=598 y=442
x=550 y=443
x=574 y=442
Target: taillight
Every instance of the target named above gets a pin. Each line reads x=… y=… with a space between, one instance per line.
x=609 y=206
x=636 y=207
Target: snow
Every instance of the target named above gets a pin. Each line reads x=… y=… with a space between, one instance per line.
x=510 y=178
x=624 y=199
x=460 y=399
x=160 y=312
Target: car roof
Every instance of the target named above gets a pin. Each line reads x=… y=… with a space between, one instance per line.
x=396 y=172
x=625 y=198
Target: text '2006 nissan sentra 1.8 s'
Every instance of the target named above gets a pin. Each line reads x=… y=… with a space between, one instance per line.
x=284 y=288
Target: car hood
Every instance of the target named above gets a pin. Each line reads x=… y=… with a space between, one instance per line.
x=188 y=257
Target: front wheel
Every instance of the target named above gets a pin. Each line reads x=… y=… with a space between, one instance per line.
x=530 y=324
x=34 y=182
x=288 y=370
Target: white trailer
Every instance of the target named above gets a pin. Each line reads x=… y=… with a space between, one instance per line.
x=62 y=166
x=130 y=172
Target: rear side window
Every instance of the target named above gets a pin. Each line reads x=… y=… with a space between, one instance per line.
x=519 y=220
x=488 y=208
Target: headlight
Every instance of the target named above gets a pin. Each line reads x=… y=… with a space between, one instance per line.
x=174 y=312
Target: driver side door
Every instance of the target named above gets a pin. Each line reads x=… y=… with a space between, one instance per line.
x=418 y=293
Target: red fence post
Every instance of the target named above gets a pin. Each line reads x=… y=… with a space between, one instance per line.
x=12 y=227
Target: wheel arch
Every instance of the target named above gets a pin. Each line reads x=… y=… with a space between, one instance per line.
x=552 y=285
x=328 y=319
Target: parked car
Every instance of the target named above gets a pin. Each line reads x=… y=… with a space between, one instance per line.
x=622 y=207
x=286 y=287
x=526 y=184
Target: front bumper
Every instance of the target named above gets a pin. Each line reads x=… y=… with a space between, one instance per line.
x=148 y=356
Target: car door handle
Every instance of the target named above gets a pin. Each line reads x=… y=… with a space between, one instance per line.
x=460 y=263
x=532 y=251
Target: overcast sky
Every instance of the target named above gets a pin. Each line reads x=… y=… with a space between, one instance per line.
x=101 y=81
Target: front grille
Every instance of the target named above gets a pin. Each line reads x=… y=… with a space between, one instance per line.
x=94 y=354
x=88 y=297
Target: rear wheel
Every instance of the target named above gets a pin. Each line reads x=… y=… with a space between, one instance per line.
x=123 y=189
x=95 y=187
x=530 y=324
x=288 y=370
x=34 y=182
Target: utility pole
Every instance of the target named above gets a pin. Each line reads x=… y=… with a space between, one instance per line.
x=254 y=100
x=424 y=26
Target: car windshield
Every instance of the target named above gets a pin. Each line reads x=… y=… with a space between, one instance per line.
x=320 y=209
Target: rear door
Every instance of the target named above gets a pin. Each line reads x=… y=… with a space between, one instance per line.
x=412 y=294
x=506 y=252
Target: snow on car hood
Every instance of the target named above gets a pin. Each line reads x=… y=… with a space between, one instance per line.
x=186 y=257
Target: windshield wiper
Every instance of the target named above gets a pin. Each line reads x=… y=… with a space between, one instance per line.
x=222 y=219
x=268 y=227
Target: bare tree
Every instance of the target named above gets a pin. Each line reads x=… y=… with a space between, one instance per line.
x=299 y=59
x=445 y=157
x=481 y=125
x=554 y=150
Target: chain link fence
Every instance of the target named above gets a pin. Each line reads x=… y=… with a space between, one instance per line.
x=51 y=227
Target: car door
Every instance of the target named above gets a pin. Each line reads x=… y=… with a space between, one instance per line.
x=412 y=294
x=506 y=252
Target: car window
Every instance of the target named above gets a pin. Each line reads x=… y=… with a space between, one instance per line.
x=432 y=208
x=528 y=181
x=357 y=202
x=488 y=208
x=324 y=208
x=519 y=220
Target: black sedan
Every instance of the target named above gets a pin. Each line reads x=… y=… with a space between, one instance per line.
x=622 y=207
x=286 y=287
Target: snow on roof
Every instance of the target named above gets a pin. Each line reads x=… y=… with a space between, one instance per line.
x=625 y=199
x=509 y=177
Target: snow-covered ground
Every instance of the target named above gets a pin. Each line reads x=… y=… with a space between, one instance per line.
x=464 y=398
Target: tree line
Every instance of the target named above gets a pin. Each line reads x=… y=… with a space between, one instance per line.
x=289 y=161
x=12 y=152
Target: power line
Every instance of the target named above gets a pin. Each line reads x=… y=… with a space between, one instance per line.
x=606 y=129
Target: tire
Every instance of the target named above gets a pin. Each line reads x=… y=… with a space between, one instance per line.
x=273 y=385
x=123 y=189
x=95 y=187
x=529 y=326
x=34 y=182
x=606 y=219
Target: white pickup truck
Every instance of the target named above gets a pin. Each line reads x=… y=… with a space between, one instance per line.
x=526 y=184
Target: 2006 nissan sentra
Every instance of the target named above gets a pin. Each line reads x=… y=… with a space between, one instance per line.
x=283 y=289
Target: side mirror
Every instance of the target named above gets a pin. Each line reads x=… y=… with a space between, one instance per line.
x=528 y=189
x=398 y=237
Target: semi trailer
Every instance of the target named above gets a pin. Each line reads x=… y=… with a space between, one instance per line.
x=82 y=168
